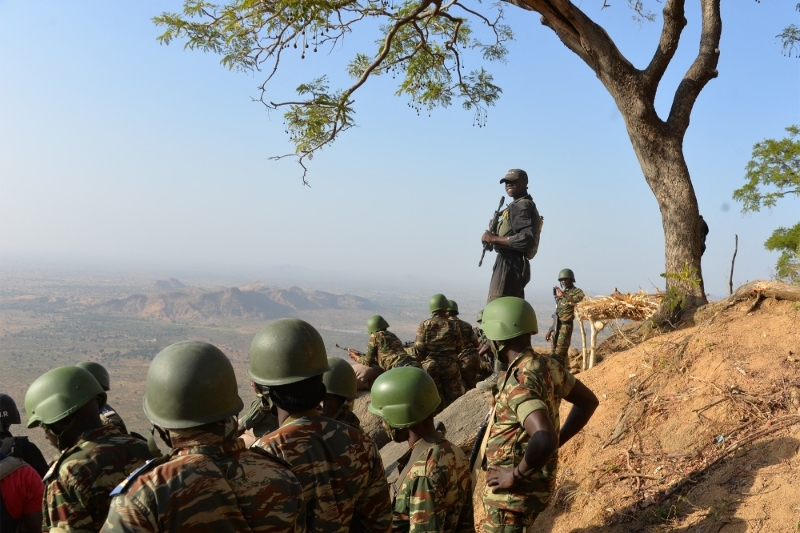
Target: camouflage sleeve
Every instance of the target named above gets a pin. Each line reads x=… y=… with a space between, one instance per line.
x=530 y=396
x=370 y=357
x=575 y=296
x=128 y=516
x=374 y=508
x=473 y=337
x=67 y=507
x=523 y=215
x=419 y=342
x=421 y=508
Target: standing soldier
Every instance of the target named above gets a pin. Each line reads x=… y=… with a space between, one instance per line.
x=523 y=437
x=516 y=241
x=19 y=447
x=566 y=300
x=209 y=481
x=94 y=458
x=340 y=391
x=469 y=362
x=437 y=346
x=339 y=467
x=107 y=413
x=434 y=490
x=384 y=352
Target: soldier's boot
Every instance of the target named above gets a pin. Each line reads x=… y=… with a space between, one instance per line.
x=492 y=382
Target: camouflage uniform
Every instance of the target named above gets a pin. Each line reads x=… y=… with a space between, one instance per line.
x=209 y=482
x=532 y=382
x=109 y=416
x=79 y=484
x=565 y=309
x=437 y=346
x=469 y=362
x=436 y=494
x=340 y=469
x=386 y=350
x=346 y=415
x=258 y=420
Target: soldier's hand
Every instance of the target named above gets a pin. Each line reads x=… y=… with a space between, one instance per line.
x=499 y=478
x=548 y=335
x=488 y=237
x=559 y=292
x=353 y=354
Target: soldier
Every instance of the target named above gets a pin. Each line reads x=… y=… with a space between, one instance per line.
x=566 y=300
x=516 y=241
x=94 y=458
x=384 y=352
x=107 y=414
x=339 y=467
x=209 y=481
x=522 y=441
x=340 y=391
x=260 y=419
x=437 y=346
x=469 y=362
x=19 y=447
x=434 y=490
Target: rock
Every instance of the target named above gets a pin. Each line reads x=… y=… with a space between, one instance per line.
x=370 y=424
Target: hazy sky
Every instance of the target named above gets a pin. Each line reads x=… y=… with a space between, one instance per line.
x=115 y=150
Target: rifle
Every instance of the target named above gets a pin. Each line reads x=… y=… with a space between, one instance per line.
x=493 y=228
x=556 y=325
x=476 y=448
x=354 y=354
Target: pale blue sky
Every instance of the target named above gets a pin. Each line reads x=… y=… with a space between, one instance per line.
x=117 y=151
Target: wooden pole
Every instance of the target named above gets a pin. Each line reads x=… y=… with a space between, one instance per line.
x=735 y=249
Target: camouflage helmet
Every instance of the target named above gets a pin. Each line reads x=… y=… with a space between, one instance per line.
x=452 y=307
x=9 y=414
x=99 y=372
x=404 y=396
x=60 y=392
x=189 y=384
x=508 y=317
x=286 y=351
x=480 y=316
x=438 y=302
x=340 y=379
x=566 y=273
x=376 y=323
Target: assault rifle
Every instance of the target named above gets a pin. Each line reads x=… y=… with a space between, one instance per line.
x=476 y=448
x=493 y=223
x=354 y=354
x=556 y=325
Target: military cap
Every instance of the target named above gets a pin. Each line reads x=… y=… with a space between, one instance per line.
x=514 y=174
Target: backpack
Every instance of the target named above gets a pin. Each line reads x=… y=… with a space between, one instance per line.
x=531 y=253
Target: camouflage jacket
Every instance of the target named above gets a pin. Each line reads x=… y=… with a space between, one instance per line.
x=532 y=382
x=436 y=494
x=438 y=338
x=259 y=418
x=345 y=414
x=109 y=416
x=79 y=483
x=468 y=336
x=340 y=469
x=385 y=350
x=209 y=482
x=565 y=305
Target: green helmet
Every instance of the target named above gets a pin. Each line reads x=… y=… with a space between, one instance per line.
x=404 y=396
x=452 y=307
x=9 y=414
x=508 y=317
x=189 y=384
x=99 y=372
x=438 y=302
x=376 y=323
x=566 y=274
x=480 y=316
x=286 y=351
x=340 y=379
x=60 y=392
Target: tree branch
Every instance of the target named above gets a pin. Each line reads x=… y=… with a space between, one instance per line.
x=674 y=22
x=702 y=70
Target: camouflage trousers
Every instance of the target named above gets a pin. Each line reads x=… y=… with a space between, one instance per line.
x=561 y=345
x=447 y=376
x=515 y=513
x=469 y=363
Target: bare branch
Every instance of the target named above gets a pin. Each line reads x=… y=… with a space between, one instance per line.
x=674 y=22
x=702 y=70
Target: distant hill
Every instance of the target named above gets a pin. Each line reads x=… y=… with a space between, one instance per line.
x=171 y=283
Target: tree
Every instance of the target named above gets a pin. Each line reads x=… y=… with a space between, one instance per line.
x=424 y=42
x=790 y=36
x=772 y=173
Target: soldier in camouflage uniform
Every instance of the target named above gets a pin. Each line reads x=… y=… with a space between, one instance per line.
x=339 y=467
x=433 y=491
x=260 y=418
x=437 y=346
x=94 y=457
x=566 y=300
x=209 y=481
x=340 y=391
x=384 y=352
x=523 y=437
x=469 y=362
x=107 y=413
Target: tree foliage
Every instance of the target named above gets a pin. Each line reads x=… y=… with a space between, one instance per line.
x=771 y=174
x=790 y=37
x=424 y=42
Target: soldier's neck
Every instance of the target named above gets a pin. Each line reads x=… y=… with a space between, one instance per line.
x=514 y=347
x=419 y=431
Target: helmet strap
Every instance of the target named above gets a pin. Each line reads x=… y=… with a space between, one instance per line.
x=58 y=436
x=164 y=436
x=497 y=347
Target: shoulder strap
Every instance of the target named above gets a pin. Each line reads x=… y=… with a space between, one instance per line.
x=420 y=448
x=482 y=450
x=10 y=465
x=149 y=465
x=7 y=445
